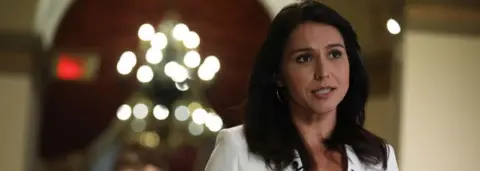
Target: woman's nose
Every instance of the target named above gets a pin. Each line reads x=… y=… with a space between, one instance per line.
x=321 y=70
x=321 y=75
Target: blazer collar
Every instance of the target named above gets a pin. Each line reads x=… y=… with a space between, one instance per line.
x=354 y=163
x=297 y=164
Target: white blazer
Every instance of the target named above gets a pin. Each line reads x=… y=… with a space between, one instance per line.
x=231 y=154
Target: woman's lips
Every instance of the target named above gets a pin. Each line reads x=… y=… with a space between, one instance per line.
x=323 y=92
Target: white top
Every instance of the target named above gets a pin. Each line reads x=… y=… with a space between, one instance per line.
x=231 y=154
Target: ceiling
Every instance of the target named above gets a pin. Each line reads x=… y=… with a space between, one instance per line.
x=459 y=17
x=470 y=4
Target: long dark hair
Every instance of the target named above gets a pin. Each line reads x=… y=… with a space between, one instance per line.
x=269 y=130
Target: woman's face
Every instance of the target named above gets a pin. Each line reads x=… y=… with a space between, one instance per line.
x=315 y=68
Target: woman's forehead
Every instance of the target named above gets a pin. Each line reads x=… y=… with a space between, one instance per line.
x=314 y=34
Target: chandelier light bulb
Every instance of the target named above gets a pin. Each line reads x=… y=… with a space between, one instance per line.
x=138 y=125
x=159 y=41
x=181 y=113
x=214 y=123
x=170 y=68
x=192 y=59
x=213 y=63
x=195 y=129
x=180 y=75
x=180 y=31
x=160 y=112
x=146 y=32
x=191 y=40
x=199 y=116
x=140 y=111
x=176 y=72
x=181 y=86
x=124 y=112
x=127 y=61
x=154 y=56
x=205 y=73
x=145 y=74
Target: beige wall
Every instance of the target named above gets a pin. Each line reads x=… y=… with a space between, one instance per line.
x=379 y=118
x=440 y=111
x=19 y=94
x=17 y=15
x=17 y=123
x=15 y=120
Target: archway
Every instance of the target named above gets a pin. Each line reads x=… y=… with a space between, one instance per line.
x=50 y=13
x=85 y=109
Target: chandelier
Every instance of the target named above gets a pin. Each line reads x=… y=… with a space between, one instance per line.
x=173 y=80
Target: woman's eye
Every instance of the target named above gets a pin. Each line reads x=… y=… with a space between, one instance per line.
x=334 y=54
x=304 y=58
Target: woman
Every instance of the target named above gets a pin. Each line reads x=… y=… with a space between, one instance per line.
x=306 y=100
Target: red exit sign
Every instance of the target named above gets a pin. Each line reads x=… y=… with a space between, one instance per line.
x=76 y=66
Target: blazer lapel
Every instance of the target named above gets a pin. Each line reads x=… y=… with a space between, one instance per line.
x=297 y=164
x=354 y=163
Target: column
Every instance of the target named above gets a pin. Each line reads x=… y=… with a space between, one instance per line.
x=440 y=96
x=18 y=99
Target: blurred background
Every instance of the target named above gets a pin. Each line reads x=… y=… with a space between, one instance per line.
x=90 y=85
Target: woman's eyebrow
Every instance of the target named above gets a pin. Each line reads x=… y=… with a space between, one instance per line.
x=332 y=45
x=300 y=50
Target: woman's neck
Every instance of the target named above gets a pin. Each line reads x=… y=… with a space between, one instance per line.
x=314 y=128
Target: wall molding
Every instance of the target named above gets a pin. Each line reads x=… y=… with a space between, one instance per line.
x=443 y=18
x=17 y=50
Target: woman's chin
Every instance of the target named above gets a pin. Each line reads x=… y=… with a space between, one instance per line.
x=324 y=109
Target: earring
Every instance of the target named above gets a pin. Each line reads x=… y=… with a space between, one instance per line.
x=279 y=97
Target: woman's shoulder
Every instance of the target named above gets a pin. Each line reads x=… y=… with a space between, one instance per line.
x=231 y=152
x=356 y=164
x=236 y=131
x=234 y=138
x=233 y=135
